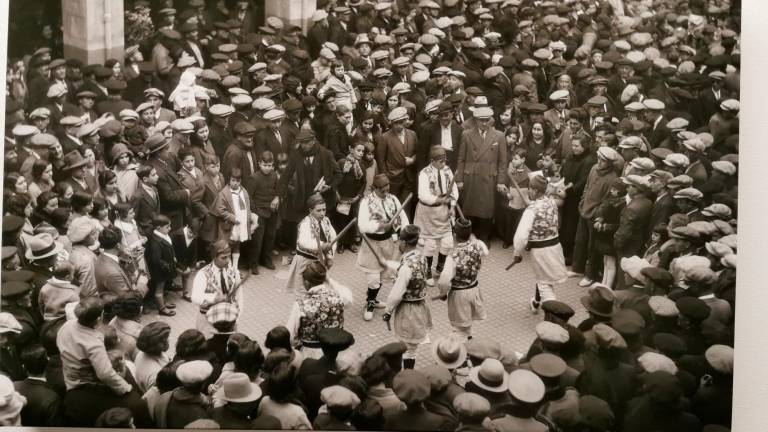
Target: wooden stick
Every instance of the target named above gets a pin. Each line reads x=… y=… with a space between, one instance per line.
x=458 y=209
x=402 y=206
x=513 y=263
x=343 y=231
x=517 y=187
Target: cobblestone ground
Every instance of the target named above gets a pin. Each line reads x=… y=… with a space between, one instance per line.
x=506 y=295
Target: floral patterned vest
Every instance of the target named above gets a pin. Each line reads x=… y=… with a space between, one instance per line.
x=545 y=220
x=382 y=210
x=435 y=183
x=467 y=258
x=320 y=308
x=417 y=286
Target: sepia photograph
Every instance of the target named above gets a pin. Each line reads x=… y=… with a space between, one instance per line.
x=406 y=215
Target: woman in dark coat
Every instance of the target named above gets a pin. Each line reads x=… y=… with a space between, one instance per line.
x=575 y=171
x=161 y=263
x=350 y=191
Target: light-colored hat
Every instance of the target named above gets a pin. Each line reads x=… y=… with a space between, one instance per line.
x=238 y=388
x=730 y=105
x=194 y=371
x=490 y=376
x=720 y=357
x=319 y=15
x=80 y=228
x=551 y=333
x=274 y=114
x=662 y=306
x=482 y=112
x=652 y=362
x=339 y=396
x=9 y=323
x=526 y=386
x=449 y=351
x=263 y=104
x=42 y=246
x=724 y=167
x=654 y=104
x=397 y=114
x=559 y=95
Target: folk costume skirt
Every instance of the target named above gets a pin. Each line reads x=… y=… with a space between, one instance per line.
x=412 y=322
x=465 y=306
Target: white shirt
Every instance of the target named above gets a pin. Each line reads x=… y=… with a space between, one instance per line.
x=198 y=294
x=446 y=140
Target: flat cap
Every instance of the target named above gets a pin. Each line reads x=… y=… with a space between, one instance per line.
x=551 y=333
x=558 y=309
x=651 y=362
x=689 y=193
x=244 y=128
x=411 y=386
x=693 y=308
x=548 y=365
x=194 y=371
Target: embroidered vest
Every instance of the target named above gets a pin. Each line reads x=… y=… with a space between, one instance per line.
x=382 y=210
x=417 y=286
x=213 y=277
x=434 y=184
x=545 y=222
x=320 y=309
x=467 y=258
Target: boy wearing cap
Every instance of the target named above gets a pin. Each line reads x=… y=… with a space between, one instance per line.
x=379 y=220
x=434 y=212
x=537 y=232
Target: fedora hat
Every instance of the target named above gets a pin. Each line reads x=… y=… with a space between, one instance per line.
x=449 y=352
x=73 y=160
x=490 y=376
x=41 y=246
x=238 y=388
x=599 y=301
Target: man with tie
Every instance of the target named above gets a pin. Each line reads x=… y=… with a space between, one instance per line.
x=217 y=283
x=396 y=155
x=557 y=116
x=270 y=137
x=446 y=133
x=480 y=172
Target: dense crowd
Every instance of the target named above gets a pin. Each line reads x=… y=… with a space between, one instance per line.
x=598 y=139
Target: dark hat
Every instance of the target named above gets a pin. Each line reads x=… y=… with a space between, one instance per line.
x=17 y=276
x=292 y=105
x=558 y=309
x=73 y=160
x=599 y=301
x=410 y=233
x=155 y=143
x=595 y=412
x=335 y=338
x=12 y=105
x=444 y=107
x=102 y=72
x=14 y=289
x=670 y=345
x=305 y=135
x=110 y=129
x=308 y=101
x=659 y=276
x=244 y=128
x=663 y=387
x=12 y=223
x=411 y=386
x=115 y=85
x=392 y=350
x=627 y=322
x=548 y=365
x=693 y=308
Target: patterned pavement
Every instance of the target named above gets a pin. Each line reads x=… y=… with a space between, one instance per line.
x=506 y=296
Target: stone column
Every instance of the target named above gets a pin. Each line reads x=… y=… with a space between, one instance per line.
x=93 y=30
x=296 y=12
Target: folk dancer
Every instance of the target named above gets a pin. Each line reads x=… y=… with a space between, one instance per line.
x=407 y=300
x=318 y=308
x=537 y=233
x=458 y=282
x=434 y=212
x=315 y=233
x=374 y=221
x=217 y=282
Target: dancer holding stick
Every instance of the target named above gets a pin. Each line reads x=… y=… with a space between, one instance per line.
x=379 y=221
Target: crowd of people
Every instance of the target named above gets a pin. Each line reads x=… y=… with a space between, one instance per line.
x=596 y=139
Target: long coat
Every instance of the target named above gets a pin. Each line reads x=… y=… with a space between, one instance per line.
x=307 y=177
x=208 y=231
x=173 y=196
x=391 y=154
x=146 y=208
x=633 y=227
x=110 y=277
x=481 y=166
x=224 y=211
x=161 y=260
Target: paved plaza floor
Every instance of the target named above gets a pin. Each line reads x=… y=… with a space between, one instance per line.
x=506 y=295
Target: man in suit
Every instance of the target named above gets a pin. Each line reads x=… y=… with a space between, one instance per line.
x=309 y=164
x=270 y=137
x=58 y=105
x=110 y=277
x=480 y=171
x=173 y=196
x=68 y=139
x=557 y=116
x=146 y=202
x=75 y=168
x=664 y=205
x=43 y=407
x=240 y=153
x=114 y=102
x=447 y=134
x=624 y=71
x=654 y=115
x=319 y=33
x=632 y=233
x=291 y=123
x=37 y=83
x=396 y=156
